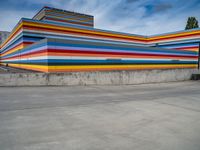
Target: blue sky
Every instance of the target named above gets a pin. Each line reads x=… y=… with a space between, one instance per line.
x=145 y=17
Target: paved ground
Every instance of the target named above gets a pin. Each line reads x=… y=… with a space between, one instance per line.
x=142 y=117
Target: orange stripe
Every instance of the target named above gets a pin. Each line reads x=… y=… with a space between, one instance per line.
x=116 y=56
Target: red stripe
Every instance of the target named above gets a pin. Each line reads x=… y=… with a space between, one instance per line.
x=114 y=53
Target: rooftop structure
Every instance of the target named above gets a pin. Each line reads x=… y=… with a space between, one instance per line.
x=63 y=16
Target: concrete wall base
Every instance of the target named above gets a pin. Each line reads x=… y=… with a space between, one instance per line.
x=96 y=78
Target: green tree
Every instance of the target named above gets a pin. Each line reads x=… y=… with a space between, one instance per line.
x=191 y=23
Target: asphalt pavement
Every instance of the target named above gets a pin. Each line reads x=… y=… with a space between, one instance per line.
x=163 y=116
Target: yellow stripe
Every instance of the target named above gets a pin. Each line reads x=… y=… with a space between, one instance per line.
x=172 y=35
x=30 y=67
x=93 y=67
x=120 y=66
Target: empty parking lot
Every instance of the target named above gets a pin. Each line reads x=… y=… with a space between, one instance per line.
x=143 y=117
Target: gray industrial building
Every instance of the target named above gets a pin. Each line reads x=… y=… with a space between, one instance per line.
x=3 y=36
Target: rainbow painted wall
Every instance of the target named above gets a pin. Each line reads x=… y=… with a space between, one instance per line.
x=70 y=43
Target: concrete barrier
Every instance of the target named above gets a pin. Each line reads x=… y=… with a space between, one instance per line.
x=96 y=78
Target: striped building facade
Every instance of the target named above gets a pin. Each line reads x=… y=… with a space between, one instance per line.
x=61 y=41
